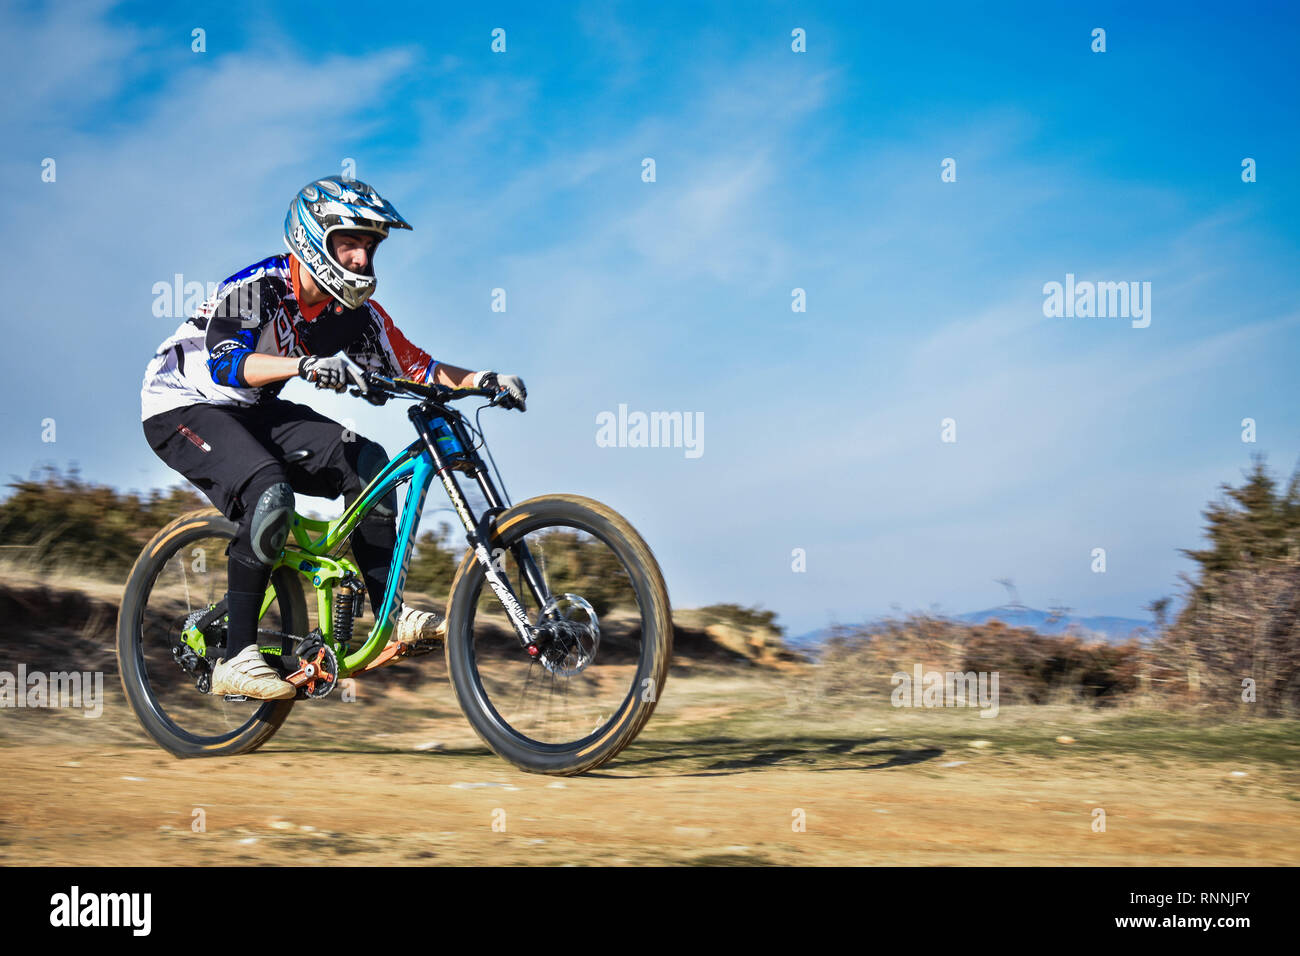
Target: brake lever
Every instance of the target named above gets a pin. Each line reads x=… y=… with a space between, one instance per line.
x=374 y=381
x=504 y=392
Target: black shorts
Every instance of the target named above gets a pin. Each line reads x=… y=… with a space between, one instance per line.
x=220 y=447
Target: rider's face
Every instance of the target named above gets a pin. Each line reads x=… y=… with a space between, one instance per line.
x=354 y=250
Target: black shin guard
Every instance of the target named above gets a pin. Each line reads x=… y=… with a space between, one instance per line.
x=257 y=546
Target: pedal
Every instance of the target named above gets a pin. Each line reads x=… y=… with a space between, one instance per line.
x=234 y=698
x=424 y=646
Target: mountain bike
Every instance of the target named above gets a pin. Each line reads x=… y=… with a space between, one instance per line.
x=557 y=663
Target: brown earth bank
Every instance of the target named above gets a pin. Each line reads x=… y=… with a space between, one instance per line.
x=748 y=760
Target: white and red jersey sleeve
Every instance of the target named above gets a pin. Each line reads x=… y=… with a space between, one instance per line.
x=406 y=359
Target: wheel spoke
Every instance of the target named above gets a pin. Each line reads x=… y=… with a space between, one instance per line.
x=583 y=688
x=189 y=605
x=168 y=604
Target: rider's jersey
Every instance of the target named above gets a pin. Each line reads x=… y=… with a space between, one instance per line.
x=257 y=310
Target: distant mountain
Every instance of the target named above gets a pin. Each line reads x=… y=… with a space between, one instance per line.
x=1114 y=630
x=808 y=640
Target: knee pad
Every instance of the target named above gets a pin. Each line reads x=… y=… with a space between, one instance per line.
x=268 y=522
x=371 y=459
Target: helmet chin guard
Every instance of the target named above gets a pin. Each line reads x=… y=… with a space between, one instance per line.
x=334 y=205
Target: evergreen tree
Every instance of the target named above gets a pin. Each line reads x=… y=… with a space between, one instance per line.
x=1248 y=526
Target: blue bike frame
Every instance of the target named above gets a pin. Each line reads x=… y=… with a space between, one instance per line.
x=312 y=541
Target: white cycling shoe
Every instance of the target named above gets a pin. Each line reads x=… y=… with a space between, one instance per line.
x=419 y=627
x=247 y=674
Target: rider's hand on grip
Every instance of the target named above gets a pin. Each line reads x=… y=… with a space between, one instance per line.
x=512 y=391
x=335 y=372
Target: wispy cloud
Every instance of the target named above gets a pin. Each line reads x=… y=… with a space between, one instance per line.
x=774 y=171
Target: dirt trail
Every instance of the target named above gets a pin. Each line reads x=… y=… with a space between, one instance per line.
x=668 y=800
x=736 y=756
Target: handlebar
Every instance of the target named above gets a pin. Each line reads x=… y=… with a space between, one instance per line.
x=439 y=394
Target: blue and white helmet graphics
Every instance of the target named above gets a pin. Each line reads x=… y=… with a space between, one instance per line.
x=335 y=204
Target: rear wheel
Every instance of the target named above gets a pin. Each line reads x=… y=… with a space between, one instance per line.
x=179 y=575
x=602 y=666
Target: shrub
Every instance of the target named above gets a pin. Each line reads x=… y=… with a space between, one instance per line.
x=58 y=520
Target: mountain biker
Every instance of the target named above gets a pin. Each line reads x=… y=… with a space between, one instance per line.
x=211 y=409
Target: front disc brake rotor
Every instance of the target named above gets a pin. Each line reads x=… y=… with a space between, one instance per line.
x=574 y=634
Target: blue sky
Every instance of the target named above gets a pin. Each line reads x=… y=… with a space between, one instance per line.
x=775 y=170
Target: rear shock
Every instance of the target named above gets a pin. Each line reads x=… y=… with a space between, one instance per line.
x=348 y=605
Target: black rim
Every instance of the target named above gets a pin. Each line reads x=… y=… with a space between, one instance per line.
x=143 y=668
x=628 y=701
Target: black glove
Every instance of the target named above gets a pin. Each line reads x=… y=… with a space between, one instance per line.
x=513 y=386
x=332 y=371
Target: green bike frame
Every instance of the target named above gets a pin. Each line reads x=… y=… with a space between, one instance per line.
x=311 y=543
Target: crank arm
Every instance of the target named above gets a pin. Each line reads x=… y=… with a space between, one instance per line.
x=307 y=672
x=306 y=676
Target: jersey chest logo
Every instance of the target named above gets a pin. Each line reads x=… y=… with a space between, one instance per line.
x=285 y=337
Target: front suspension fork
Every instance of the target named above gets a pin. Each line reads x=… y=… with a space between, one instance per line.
x=500 y=585
x=478 y=533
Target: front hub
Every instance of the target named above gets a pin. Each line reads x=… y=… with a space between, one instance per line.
x=568 y=635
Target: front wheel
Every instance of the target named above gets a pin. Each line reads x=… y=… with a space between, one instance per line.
x=600 y=672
